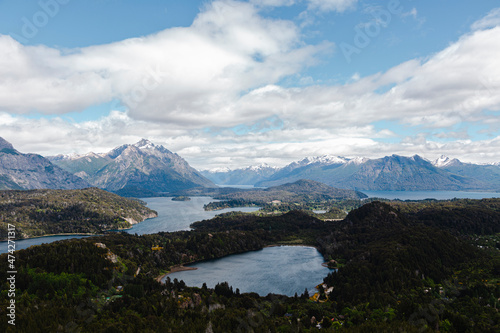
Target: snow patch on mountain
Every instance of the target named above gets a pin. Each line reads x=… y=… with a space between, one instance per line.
x=325 y=159
x=444 y=161
x=441 y=161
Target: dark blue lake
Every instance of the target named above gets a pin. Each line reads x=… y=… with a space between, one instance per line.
x=284 y=270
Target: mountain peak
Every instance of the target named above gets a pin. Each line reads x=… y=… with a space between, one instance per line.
x=144 y=144
x=260 y=167
x=444 y=161
x=4 y=144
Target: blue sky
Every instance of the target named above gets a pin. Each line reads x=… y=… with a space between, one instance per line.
x=235 y=83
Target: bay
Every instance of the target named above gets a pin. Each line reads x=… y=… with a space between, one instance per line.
x=172 y=216
x=178 y=215
x=421 y=195
x=284 y=270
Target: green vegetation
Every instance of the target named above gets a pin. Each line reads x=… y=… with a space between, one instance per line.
x=181 y=198
x=305 y=195
x=302 y=191
x=42 y=212
x=399 y=270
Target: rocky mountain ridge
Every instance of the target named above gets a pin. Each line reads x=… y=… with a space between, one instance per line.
x=135 y=169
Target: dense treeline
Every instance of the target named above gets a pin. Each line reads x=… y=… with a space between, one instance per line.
x=91 y=210
x=290 y=226
x=464 y=216
x=396 y=271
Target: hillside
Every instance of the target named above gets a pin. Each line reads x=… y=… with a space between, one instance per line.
x=20 y=171
x=301 y=192
x=44 y=212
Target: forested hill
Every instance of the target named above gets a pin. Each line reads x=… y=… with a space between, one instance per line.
x=300 y=192
x=90 y=210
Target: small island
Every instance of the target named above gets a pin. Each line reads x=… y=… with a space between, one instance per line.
x=181 y=198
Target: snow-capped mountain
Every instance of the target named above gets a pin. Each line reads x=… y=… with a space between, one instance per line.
x=387 y=173
x=488 y=174
x=325 y=160
x=445 y=161
x=143 y=167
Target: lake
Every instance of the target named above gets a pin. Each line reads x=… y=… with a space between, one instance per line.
x=178 y=215
x=284 y=270
x=172 y=216
x=421 y=195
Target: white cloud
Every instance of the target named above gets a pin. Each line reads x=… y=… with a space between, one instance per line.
x=332 y=5
x=413 y=13
x=183 y=76
x=449 y=88
x=489 y=21
x=187 y=87
x=273 y=3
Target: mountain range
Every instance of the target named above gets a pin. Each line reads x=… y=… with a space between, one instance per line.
x=147 y=169
x=244 y=176
x=396 y=173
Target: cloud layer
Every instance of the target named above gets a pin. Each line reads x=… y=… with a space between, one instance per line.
x=212 y=93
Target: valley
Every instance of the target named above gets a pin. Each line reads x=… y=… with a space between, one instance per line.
x=395 y=260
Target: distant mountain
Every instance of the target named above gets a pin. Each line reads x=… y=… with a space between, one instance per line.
x=135 y=169
x=83 y=166
x=387 y=173
x=486 y=173
x=243 y=176
x=31 y=171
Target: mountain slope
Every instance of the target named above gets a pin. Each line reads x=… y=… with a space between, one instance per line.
x=141 y=168
x=486 y=173
x=31 y=171
x=83 y=166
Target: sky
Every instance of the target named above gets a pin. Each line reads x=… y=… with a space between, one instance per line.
x=229 y=83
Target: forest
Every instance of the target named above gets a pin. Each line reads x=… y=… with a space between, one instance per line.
x=88 y=211
x=403 y=267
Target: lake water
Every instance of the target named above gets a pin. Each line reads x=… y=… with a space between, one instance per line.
x=421 y=195
x=178 y=215
x=172 y=216
x=284 y=270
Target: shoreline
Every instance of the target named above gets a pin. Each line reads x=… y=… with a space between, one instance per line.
x=174 y=269
x=54 y=235
x=302 y=245
x=72 y=234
